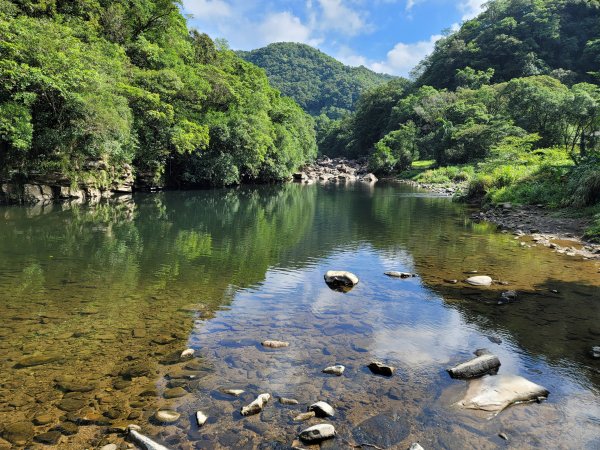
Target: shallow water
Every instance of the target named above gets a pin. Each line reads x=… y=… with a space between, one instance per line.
x=105 y=297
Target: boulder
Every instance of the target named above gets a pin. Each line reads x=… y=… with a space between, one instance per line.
x=479 y=280
x=317 y=433
x=341 y=278
x=379 y=368
x=495 y=393
x=476 y=367
x=322 y=409
x=256 y=406
x=369 y=178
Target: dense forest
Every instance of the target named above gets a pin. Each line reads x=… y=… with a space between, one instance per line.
x=91 y=86
x=509 y=105
x=319 y=83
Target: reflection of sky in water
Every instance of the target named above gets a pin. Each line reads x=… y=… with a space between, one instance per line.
x=399 y=321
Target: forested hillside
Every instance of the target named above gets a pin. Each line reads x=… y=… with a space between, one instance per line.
x=520 y=38
x=531 y=137
x=319 y=83
x=91 y=86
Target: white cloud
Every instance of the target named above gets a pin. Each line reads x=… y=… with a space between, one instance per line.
x=471 y=8
x=403 y=57
x=285 y=27
x=339 y=17
x=207 y=9
x=347 y=56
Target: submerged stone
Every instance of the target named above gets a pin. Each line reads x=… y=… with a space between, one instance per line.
x=495 y=393
x=166 y=416
x=38 y=360
x=386 y=430
x=145 y=442
x=275 y=344
x=288 y=401
x=379 y=368
x=304 y=416
x=334 y=370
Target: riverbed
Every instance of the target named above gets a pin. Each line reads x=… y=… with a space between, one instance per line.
x=98 y=302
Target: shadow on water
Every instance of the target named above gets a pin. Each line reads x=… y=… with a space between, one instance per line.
x=98 y=301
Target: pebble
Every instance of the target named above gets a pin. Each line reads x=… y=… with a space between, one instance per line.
x=322 y=409
x=334 y=370
x=416 y=446
x=503 y=436
x=317 y=433
x=188 y=353
x=275 y=344
x=399 y=274
x=288 y=401
x=379 y=368
x=166 y=416
x=304 y=416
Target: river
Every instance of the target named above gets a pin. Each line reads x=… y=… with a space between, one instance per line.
x=98 y=301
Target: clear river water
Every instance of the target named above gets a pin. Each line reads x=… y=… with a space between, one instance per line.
x=98 y=301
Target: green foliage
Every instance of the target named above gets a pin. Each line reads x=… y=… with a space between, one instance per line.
x=124 y=81
x=319 y=83
x=395 y=151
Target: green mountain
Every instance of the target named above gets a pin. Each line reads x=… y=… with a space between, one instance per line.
x=518 y=38
x=319 y=83
x=90 y=87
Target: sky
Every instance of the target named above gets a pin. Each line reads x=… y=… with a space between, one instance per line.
x=389 y=36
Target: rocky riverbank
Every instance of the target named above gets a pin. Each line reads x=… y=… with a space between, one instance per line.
x=99 y=180
x=534 y=225
x=336 y=170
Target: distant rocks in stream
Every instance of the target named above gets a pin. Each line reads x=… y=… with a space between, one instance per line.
x=336 y=170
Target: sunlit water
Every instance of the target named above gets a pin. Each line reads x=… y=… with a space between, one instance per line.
x=105 y=297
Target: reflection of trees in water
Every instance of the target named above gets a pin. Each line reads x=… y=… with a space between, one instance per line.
x=201 y=246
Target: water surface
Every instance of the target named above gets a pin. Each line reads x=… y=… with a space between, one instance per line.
x=104 y=297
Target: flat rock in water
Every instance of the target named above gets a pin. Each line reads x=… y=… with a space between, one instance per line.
x=187 y=353
x=379 y=368
x=341 y=278
x=234 y=392
x=175 y=392
x=334 y=370
x=275 y=344
x=322 y=409
x=166 y=416
x=476 y=367
x=256 y=406
x=494 y=393
x=480 y=280
x=288 y=401
x=385 y=430
x=38 y=360
x=317 y=433
x=399 y=274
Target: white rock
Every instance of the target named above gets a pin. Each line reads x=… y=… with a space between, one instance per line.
x=167 y=415
x=399 y=274
x=275 y=344
x=256 y=406
x=322 y=409
x=145 y=442
x=334 y=370
x=341 y=277
x=416 y=446
x=494 y=393
x=109 y=447
x=188 y=353
x=317 y=433
x=201 y=418
x=479 y=280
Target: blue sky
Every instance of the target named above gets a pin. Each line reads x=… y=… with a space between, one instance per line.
x=389 y=36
